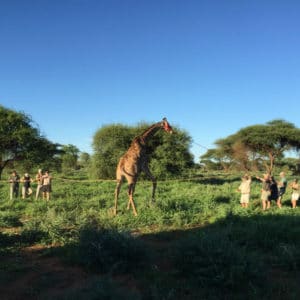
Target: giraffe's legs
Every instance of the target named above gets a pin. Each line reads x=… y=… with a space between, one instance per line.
x=131 y=188
x=153 y=179
x=117 y=192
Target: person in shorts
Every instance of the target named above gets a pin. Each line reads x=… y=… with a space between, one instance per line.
x=26 y=189
x=47 y=187
x=39 y=180
x=282 y=184
x=265 y=191
x=273 y=189
x=295 y=193
x=244 y=189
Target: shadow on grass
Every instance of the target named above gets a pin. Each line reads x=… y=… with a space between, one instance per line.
x=222 y=200
x=234 y=258
x=238 y=257
x=216 y=181
x=12 y=242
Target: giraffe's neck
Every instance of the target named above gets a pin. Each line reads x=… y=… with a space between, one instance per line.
x=148 y=133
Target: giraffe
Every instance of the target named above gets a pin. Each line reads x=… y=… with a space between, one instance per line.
x=134 y=161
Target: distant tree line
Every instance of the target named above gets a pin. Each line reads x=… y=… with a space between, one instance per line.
x=253 y=148
x=22 y=146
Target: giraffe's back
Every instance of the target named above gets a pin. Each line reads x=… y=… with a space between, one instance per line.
x=131 y=162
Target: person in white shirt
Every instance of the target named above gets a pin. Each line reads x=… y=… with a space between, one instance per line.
x=245 y=189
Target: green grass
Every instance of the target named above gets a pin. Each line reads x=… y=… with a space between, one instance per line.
x=194 y=242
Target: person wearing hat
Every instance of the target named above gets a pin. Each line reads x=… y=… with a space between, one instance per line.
x=39 y=180
x=26 y=189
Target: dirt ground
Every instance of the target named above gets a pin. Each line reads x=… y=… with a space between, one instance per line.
x=36 y=276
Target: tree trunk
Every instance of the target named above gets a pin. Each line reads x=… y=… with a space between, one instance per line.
x=272 y=159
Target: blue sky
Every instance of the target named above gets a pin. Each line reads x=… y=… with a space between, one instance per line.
x=211 y=67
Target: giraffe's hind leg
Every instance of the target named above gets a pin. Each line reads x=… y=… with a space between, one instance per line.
x=117 y=192
x=153 y=179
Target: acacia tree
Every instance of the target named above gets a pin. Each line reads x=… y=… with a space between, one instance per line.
x=271 y=140
x=20 y=141
x=69 y=157
x=260 y=144
x=216 y=158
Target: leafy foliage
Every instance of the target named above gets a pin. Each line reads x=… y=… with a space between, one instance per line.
x=169 y=155
x=257 y=145
x=20 y=140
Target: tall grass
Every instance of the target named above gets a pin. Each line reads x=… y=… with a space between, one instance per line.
x=221 y=250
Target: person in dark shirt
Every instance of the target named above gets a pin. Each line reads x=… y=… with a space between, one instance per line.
x=26 y=189
x=273 y=189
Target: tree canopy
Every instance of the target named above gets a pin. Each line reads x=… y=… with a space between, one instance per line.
x=259 y=144
x=168 y=154
x=20 y=140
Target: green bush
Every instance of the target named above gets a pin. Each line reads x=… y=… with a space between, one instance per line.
x=9 y=219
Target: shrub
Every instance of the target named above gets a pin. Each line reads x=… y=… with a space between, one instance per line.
x=9 y=219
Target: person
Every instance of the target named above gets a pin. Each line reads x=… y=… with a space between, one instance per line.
x=26 y=189
x=39 y=180
x=295 y=192
x=265 y=191
x=273 y=190
x=282 y=184
x=14 y=181
x=46 y=188
x=244 y=189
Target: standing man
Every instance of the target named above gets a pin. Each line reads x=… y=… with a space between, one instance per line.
x=39 y=180
x=244 y=189
x=46 y=188
x=14 y=181
x=26 y=189
x=282 y=184
x=265 y=191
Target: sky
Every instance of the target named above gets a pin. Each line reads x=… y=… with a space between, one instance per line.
x=211 y=67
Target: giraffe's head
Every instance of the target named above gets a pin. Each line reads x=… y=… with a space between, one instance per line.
x=166 y=126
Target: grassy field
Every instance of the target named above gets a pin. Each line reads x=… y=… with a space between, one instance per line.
x=195 y=242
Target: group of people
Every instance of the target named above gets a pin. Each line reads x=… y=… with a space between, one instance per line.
x=271 y=190
x=43 y=180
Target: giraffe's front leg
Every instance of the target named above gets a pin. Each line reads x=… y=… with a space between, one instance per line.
x=131 y=188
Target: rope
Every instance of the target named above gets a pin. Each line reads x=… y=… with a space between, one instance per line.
x=200 y=145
